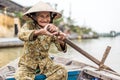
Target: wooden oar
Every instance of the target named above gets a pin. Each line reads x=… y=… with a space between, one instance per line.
x=86 y=54
x=78 y=49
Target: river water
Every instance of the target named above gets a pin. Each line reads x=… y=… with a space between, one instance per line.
x=95 y=47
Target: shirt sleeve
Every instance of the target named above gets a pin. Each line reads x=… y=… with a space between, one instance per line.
x=58 y=45
x=25 y=33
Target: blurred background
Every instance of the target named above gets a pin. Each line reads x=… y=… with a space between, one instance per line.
x=91 y=24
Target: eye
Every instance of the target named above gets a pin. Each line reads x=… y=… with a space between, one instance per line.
x=48 y=16
x=41 y=16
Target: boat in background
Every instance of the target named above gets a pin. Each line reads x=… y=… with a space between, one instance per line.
x=76 y=71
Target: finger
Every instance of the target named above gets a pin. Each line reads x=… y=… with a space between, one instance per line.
x=53 y=27
x=49 y=34
x=55 y=33
x=63 y=34
x=62 y=37
x=52 y=30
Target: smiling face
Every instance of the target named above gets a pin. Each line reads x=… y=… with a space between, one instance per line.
x=43 y=18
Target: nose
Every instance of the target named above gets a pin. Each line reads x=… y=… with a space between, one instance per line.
x=45 y=19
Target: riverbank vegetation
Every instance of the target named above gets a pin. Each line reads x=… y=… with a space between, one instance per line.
x=69 y=27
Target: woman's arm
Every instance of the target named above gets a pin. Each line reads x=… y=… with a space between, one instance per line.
x=26 y=33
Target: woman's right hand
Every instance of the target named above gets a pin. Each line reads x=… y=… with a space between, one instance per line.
x=42 y=31
x=49 y=29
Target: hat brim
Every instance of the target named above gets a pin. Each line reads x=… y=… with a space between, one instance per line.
x=25 y=17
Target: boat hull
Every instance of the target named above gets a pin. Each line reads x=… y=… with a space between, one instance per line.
x=72 y=75
x=76 y=71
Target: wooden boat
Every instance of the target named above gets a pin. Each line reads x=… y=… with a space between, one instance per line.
x=76 y=71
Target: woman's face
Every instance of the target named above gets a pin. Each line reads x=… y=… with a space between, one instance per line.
x=43 y=18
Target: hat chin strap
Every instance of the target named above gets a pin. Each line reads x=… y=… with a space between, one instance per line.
x=52 y=16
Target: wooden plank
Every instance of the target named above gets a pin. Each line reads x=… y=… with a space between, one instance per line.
x=105 y=75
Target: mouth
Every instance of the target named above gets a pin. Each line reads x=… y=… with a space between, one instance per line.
x=43 y=24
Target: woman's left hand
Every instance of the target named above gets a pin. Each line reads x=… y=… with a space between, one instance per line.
x=61 y=37
x=55 y=31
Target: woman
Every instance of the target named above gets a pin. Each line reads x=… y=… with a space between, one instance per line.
x=38 y=36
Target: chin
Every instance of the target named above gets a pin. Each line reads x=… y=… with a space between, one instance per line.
x=44 y=24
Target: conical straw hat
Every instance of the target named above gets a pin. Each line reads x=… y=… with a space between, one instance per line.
x=40 y=7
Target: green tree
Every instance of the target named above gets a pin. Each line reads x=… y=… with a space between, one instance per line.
x=19 y=15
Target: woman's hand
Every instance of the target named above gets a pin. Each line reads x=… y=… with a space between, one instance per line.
x=49 y=29
x=52 y=28
x=61 y=37
x=42 y=31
